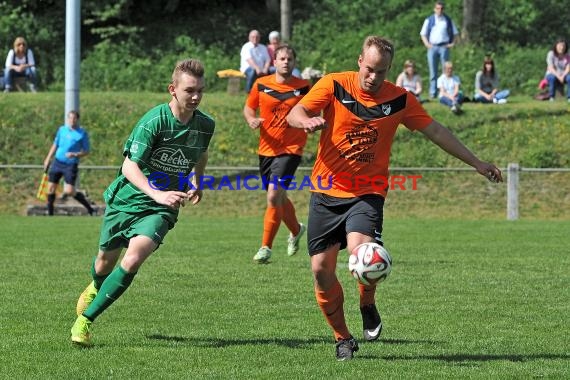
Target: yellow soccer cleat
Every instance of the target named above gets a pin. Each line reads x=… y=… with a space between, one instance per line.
x=81 y=331
x=86 y=298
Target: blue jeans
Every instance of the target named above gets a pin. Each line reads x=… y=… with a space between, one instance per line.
x=552 y=81
x=451 y=102
x=29 y=73
x=435 y=56
x=503 y=94
x=250 y=77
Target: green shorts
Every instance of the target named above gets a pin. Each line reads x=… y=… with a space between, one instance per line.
x=119 y=227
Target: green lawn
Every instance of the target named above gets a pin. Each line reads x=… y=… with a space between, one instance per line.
x=466 y=299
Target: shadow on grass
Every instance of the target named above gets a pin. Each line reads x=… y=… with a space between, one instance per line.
x=462 y=358
x=291 y=343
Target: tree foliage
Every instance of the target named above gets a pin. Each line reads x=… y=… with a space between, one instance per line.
x=131 y=44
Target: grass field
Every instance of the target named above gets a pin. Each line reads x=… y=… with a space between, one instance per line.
x=466 y=299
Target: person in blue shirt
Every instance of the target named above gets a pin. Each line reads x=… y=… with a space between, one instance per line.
x=70 y=144
x=438 y=34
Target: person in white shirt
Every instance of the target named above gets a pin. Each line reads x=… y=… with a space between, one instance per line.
x=20 y=63
x=438 y=35
x=448 y=85
x=255 y=59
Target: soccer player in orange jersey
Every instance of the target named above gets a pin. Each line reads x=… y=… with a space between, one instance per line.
x=280 y=146
x=360 y=114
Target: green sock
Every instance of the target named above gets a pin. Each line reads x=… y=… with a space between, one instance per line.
x=98 y=279
x=111 y=289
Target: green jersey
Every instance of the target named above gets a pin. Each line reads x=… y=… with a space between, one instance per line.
x=166 y=151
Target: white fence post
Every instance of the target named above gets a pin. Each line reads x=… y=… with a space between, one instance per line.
x=513 y=191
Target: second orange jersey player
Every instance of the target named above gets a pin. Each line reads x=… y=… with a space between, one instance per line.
x=280 y=147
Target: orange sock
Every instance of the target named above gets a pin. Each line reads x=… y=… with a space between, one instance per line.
x=367 y=293
x=290 y=218
x=331 y=303
x=271 y=222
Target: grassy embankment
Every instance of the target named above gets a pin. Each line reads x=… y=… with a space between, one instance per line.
x=532 y=133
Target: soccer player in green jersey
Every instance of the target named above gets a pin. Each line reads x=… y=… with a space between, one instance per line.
x=165 y=157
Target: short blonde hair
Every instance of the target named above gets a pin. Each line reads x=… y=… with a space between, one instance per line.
x=189 y=66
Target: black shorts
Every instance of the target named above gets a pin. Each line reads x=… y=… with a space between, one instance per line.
x=60 y=169
x=332 y=218
x=278 y=170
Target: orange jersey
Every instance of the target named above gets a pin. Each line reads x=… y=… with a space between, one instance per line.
x=274 y=101
x=354 y=150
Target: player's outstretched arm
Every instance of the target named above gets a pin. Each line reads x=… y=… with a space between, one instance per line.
x=447 y=141
x=172 y=199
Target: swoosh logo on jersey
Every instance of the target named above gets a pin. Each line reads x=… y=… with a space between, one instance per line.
x=166 y=139
x=109 y=297
x=347 y=101
x=282 y=96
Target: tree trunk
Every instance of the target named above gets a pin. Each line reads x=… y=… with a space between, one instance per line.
x=473 y=11
x=285 y=20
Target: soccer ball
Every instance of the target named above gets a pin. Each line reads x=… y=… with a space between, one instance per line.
x=370 y=263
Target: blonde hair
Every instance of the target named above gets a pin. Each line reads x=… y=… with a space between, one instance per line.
x=19 y=40
x=190 y=66
x=383 y=45
x=410 y=63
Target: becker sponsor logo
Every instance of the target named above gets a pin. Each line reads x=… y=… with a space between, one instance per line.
x=170 y=160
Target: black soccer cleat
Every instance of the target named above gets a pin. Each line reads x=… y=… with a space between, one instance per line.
x=371 y=322
x=345 y=349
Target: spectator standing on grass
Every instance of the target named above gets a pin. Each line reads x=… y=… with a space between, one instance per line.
x=410 y=79
x=71 y=143
x=280 y=147
x=438 y=35
x=361 y=112
x=449 y=85
x=487 y=84
x=255 y=59
x=20 y=63
x=558 y=68
x=143 y=201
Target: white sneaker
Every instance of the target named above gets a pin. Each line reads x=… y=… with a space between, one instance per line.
x=293 y=241
x=263 y=255
x=501 y=101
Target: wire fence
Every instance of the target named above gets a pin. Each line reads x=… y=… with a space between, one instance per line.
x=514 y=189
